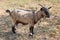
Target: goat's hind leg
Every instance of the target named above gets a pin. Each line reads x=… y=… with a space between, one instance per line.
x=13 y=27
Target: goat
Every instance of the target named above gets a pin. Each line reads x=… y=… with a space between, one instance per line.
x=28 y=17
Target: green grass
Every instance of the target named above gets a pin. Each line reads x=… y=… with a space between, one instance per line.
x=54 y=1
x=20 y=3
x=53 y=33
x=1 y=30
x=58 y=22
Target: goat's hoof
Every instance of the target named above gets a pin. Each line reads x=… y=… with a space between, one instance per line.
x=31 y=34
x=13 y=31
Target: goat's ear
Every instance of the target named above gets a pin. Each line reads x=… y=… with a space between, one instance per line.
x=8 y=11
x=49 y=7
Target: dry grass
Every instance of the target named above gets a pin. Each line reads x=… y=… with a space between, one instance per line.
x=48 y=29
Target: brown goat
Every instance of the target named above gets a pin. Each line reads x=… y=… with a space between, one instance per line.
x=28 y=17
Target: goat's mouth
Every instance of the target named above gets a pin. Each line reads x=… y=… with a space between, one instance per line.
x=48 y=15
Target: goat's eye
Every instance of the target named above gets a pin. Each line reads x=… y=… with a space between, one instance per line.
x=41 y=9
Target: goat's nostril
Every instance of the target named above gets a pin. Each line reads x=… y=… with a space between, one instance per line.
x=48 y=16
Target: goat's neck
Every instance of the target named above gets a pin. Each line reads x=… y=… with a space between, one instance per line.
x=38 y=15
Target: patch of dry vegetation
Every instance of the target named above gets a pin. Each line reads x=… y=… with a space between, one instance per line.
x=48 y=29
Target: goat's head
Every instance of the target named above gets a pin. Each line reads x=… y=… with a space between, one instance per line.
x=45 y=11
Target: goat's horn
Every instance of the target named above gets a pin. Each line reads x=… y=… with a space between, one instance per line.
x=40 y=5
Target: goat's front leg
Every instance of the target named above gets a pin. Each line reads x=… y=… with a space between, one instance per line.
x=31 y=27
x=13 y=27
x=31 y=30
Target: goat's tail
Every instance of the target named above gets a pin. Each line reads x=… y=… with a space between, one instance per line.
x=8 y=11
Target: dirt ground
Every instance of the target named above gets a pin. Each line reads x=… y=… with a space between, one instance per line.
x=47 y=29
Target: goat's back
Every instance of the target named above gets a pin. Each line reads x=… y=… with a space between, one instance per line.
x=22 y=15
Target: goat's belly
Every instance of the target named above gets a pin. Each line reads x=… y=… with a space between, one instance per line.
x=25 y=19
